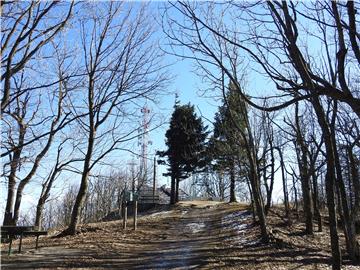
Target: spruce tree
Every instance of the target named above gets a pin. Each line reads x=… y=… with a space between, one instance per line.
x=185 y=140
x=225 y=146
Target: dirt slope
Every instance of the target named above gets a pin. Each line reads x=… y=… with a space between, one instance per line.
x=193 y=235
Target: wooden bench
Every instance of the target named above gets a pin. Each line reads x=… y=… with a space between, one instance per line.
x=13 y=231
x=149 y=198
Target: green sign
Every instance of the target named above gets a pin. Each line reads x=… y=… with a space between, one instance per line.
x=131 y=196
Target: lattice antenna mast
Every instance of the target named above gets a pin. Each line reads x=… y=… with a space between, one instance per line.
x=144 y=139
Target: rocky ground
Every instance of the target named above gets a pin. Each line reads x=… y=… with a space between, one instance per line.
x=191 y=235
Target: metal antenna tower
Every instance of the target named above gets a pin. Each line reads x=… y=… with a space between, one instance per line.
x=144 y=140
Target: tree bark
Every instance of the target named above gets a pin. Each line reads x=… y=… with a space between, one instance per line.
x=329 y=184
x=255 y=185
x=356 y=186
x=80 y=198
x=304 y=174
x=255 y=179
x=221 y=187
x=285 y=191
x=296 y=201
x=34 y=168
x=251 y=199
x=79 y=202
x=172 y=190
x=232 y=183
x=177 y=182
x=348 y=221
x=45 y=193
x=269 y=188
x=316 y=199
x=14 y=164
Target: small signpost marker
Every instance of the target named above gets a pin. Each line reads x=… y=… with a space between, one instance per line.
x=126 y=199
x=130 y=197
x=125 y=215
x=135 y=213
x=154 y=180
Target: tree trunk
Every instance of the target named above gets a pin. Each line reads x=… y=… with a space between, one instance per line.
x=335 y=248
x=295 y=195
x=255 y=185
x=316 y=199
x=177 y=190
x=221 y=187
x=285 y=191
x=45 y=193
x=79 y=202
x=39 y=214
x=232 y=183
x=172 y=190
x=329 y=184
x=8 y=215
x=304 y=174
x=18 y=198
x=356 y=187
x=347 y=220
x=307 y=200
x=251 y=199
x=272 y=178
x=255 y=181
x=33 y=170
x=80 y=198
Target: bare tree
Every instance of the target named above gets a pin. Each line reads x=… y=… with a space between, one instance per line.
x=60 y=164
x=271 y=41
x=122 y=66
x=26 y=119
x=26 y=28
x=304 y=170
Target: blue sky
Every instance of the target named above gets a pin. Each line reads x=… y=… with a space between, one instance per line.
x=187 y=85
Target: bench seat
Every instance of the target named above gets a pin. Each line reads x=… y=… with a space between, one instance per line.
x=13 y=231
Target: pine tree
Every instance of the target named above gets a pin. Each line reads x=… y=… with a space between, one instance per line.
x=226 y=143
x=185 y=140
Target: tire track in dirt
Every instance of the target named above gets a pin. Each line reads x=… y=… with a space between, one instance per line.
x=187 y=242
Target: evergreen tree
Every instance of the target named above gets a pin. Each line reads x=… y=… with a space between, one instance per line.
x=225 y=146
x=185 y=140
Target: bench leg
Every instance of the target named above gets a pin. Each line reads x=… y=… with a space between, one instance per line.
x=10 y=244
x=37 y=242
x=20 y=243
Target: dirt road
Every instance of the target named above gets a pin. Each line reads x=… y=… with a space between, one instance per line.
x=194 y=235
x=182 y=238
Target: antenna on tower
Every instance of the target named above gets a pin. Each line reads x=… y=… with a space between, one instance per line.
x=144 y=140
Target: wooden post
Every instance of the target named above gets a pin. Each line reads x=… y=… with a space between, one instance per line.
x=121 y=209
x=120 y=203
x=125 y=216
x=154 y=180
x=10 y=244
x=135 y=213
x=21 y=236
x=37 y=242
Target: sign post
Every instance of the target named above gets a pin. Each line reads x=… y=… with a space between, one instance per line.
x=154 y=179
x=125 y=214
x=130 y=196
x=135 y=214
x=126 y=199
